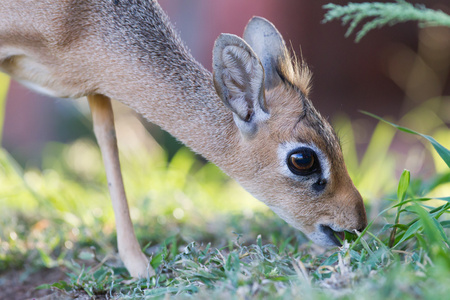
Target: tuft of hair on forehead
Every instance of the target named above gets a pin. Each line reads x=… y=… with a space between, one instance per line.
x=294 y=71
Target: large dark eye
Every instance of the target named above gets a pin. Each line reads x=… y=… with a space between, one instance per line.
x=303 y=162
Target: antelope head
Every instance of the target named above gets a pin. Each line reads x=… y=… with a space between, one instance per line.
x=288 y=155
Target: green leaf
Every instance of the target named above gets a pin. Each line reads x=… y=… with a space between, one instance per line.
x=85 y=255
x=100 y=274
x=146 y=246
x=284 y=244
x=441 y=231
x=45 y=286
x=332 y=259
x=158 y=292
x=259 y=241
x=282 y=278
x=60 y=285
x=443 y=152
x=157 y=260
x=403 y=185
x=401 y=192
x=410 y=232
x=433 y=233
x=46 y=259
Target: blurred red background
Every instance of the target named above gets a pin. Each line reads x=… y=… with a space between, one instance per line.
x=390 y=71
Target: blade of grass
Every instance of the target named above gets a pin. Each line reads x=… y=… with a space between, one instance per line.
x=401 y=193
x=410 y=232
x=443 y=152
x=440 y=229
x=429 y=225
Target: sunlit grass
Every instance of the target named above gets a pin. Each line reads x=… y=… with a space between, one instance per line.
x=56 y=210
x=191 y=214
x=208 y=238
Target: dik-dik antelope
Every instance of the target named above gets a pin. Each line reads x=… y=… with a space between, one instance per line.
x=252 y=117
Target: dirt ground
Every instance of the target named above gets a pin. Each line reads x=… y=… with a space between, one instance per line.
x=13 y=287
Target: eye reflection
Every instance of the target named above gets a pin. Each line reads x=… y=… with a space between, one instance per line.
x=303 y=161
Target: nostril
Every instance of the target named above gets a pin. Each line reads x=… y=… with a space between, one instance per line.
x=361 y=229
x=362 y=223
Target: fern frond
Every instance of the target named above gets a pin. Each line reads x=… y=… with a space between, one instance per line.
x=382 y=14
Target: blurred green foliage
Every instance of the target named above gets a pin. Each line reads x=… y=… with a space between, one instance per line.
x=200 y=226
x=4 y=85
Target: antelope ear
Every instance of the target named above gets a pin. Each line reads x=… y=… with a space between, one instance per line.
x=239 y=82
x=269 y=46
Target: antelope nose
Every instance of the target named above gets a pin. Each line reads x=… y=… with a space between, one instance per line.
x=361 y=229
x=360 y=214
x=363 y=218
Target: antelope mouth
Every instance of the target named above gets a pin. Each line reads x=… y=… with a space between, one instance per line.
x=333 y=235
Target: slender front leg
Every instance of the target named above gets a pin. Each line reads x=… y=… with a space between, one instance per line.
x=129 y=250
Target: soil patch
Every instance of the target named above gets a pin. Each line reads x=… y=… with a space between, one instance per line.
x=17 y=284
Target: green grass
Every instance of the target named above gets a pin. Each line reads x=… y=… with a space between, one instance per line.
x=207 y=238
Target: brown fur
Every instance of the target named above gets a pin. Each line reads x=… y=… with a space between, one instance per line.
x=340 y=203
x=296 y=71
x=128 y=51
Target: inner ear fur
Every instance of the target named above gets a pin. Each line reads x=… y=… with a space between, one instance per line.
x=239 y=81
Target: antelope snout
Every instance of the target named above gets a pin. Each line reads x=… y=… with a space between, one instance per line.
x=355 y=213
x=349 y=215
x=361 y=216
